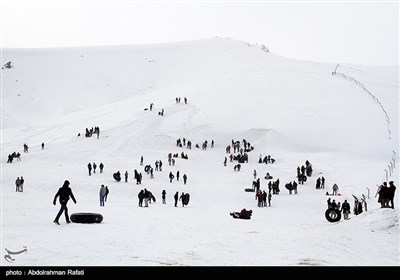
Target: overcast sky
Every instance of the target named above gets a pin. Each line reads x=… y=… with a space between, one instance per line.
x=358 y=32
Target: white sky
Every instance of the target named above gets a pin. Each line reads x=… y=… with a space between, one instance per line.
x=357 y=32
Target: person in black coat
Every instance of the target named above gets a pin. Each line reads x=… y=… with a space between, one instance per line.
x=163 y=196
x=391 y=191
x=89 y=166
x=64 y=193
x=107 y=192
x=182 y=197
x=176 y=196
x=171 y=177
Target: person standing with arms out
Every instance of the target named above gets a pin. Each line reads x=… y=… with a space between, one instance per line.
x=64 y=193
x=163 y=196
x=102 y=194
x=176 y=196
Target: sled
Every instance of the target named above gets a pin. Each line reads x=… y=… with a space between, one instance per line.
x=249 y=190
x=289 y=187
x=116 y=177
x=244 y=214
x=86 y=218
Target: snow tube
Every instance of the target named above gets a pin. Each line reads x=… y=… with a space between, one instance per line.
x=186 y=199
x=249 y=190
x=86 y=218
x=333 y=215
x=117 y=177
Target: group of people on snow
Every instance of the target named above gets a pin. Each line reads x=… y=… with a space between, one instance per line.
x=178 y=100
x=12 y=156
x=19 y=184
x=91 y=131
x=386 y=194
x=93 y=167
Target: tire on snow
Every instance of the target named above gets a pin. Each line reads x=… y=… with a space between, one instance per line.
x=86 y=218
x=333 y=215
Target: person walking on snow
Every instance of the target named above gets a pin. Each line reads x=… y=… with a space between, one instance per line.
x=21 y=185
x=335 y=189
x=17 y=184
x=176 y=196
x=171 y=176
x=107 y=192
x=182 y=197
x=345 y=209
x=163 y=196
x=102 y=194
x=89 y=166
x=64 y=193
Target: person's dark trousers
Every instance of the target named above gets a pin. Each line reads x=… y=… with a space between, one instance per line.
x=63 y=209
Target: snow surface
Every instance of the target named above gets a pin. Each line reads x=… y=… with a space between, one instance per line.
x=290 y=109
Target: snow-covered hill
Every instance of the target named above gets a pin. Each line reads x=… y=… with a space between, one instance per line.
x=290 y=109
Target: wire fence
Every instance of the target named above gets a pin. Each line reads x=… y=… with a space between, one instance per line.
x=389 y=170
x=374 y=98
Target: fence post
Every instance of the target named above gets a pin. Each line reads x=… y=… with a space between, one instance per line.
x=386 y=175
x=336 y=68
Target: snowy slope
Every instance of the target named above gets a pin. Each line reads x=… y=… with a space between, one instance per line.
x=290 y=109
